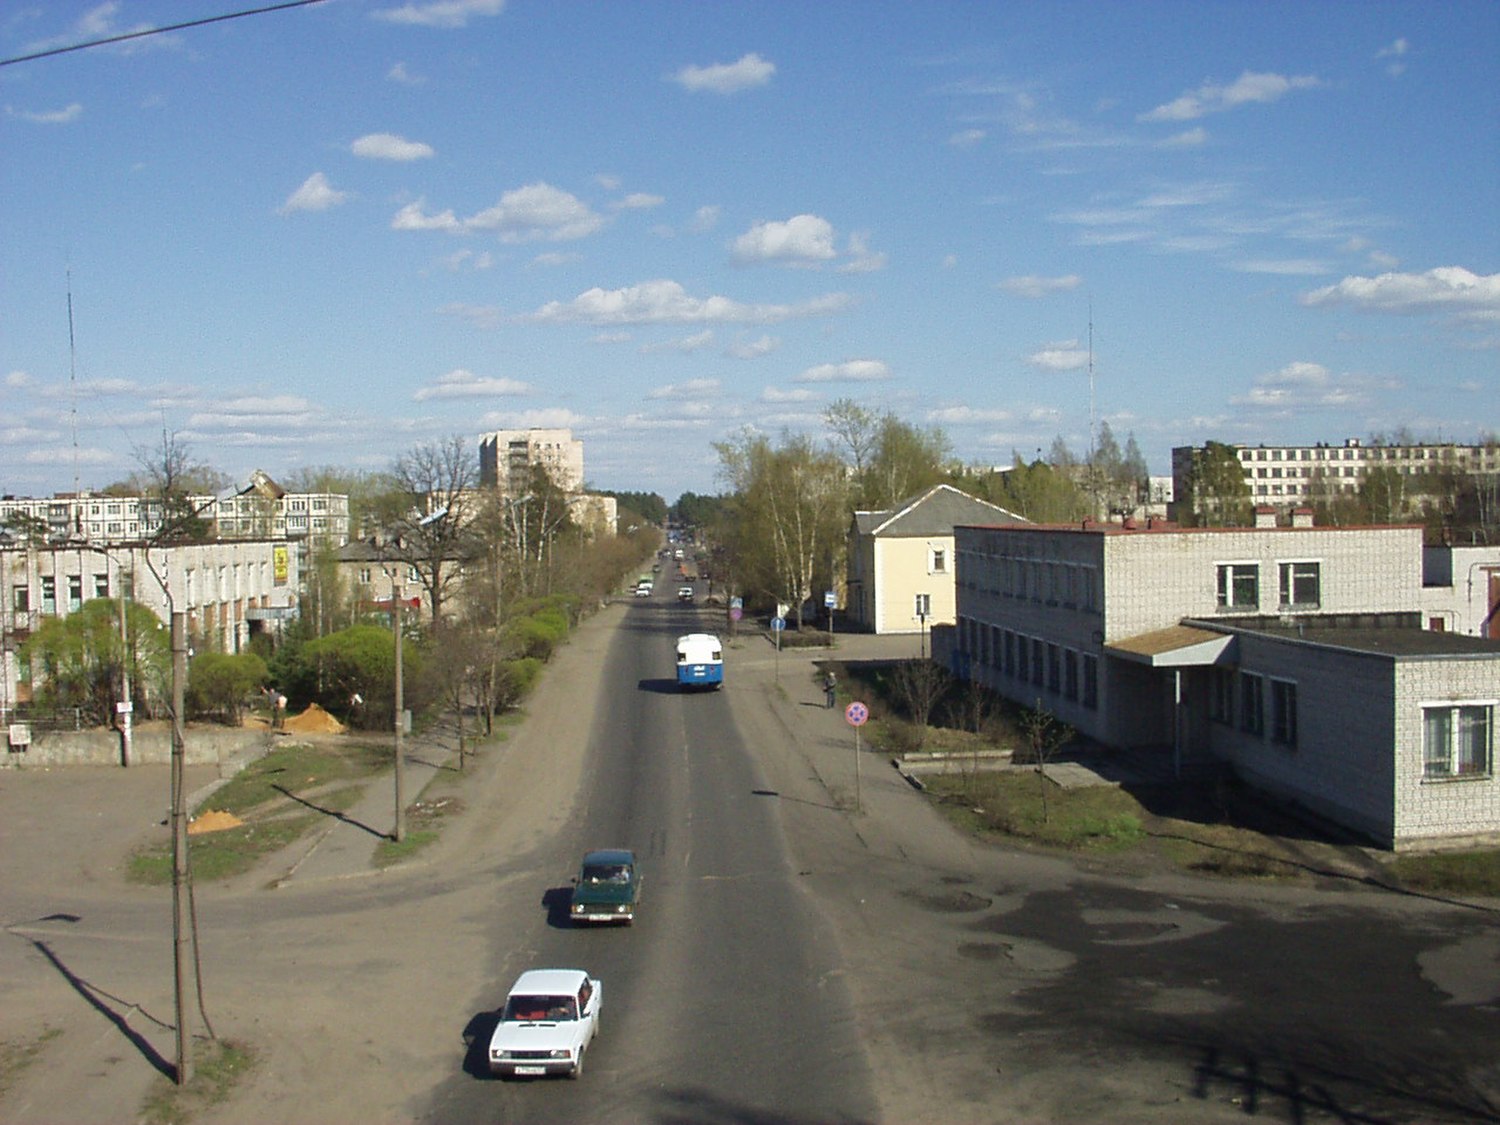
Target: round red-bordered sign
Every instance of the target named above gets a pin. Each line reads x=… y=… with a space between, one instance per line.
x=856 y=713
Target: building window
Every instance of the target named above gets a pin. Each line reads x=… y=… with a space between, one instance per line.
x=1239 y=586
x=1301 y=585
x=1252 y=703
x=1070 y=674
x=101 y=585
x=1023 y=659
x=937 y=560
x=49 y=594
x=1284 y=712
x=1009 y=653
x=1038 y=656
x=1090 y=681
x=21 y=599
x=1457 y=740
x=1054 y=669
x=922 y=607
x=75 y=593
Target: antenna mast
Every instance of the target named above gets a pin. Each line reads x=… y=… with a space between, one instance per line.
x=73 y=396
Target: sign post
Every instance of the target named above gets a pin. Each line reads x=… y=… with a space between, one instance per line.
x=830 y=601
x=856 y=715
x=777 y=625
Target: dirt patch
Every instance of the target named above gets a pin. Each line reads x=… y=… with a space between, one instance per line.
x=212 y=820
x=314 y=720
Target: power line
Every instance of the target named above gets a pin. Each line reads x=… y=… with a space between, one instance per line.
x=157 y=31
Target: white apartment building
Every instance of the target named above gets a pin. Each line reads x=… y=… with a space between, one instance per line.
x=1297 y=474
x=507 y=456
x=228 y=590
x=1292 y=653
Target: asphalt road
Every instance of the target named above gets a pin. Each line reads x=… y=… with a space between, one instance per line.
x=723 y=1000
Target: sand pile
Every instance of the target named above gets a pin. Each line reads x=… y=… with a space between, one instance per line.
x=314 y=720
x=213 y=820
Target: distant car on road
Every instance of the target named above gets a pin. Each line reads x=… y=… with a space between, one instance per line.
x=608 y=887
x=549 y=1020
x=684 y=593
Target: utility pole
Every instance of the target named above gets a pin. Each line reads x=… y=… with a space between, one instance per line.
x=399 y=832
x=125 y=706
x=181 y=934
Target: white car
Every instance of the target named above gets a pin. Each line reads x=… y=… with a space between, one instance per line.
x=549 y=1019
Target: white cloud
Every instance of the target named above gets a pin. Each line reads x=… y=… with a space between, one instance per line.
x=861 y=258
x=704 y=219
x=388 y=146
x=62 y=116
x=1396 y=52
x=775 y=394
x=1034 y=286
x=537 y=212
x=967 y=138
x=726 y=78
x=752 y=349
x=546 y=418
x=1448 y=288
x=1068 y=355
x=1303 y=385
x=556 y=258
x=801 y=240
x=534 y=213
x=639 y=201
x=850 y=371
x=692 y=388
x=440 y=13
x=686 y=345
x=1188 y=138
x=1249 y=88
x=400 y=73
x=19 y=379
x=667 y=302
x=315 y=194
x=1284 y=267
x=459 y=383
x=966 y=415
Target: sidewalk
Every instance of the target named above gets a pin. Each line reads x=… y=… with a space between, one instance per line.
x=345 y=848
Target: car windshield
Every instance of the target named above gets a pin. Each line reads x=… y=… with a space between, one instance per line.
x=533 y=1008
x=606 y=873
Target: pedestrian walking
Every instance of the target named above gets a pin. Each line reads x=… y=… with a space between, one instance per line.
x=829 y=684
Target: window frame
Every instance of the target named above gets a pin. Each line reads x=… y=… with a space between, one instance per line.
x=1227 y=579
x=1455 y=712
x=1287 y=581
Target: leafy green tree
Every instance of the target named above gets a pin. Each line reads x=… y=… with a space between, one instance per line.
x=1216 y=492
x=220 y=682
x=359 y=660
x=76 y=661
x=788 y=515
x=23 y=527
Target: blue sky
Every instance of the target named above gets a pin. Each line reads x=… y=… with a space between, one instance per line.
x=322 y=236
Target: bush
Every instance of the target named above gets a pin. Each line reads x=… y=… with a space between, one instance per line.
x=220 y=682
x=514 y=681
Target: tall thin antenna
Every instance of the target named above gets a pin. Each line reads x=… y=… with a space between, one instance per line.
x=73 y=392
x=1091 y=379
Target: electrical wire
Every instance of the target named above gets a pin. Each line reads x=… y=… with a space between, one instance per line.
x=157 y=31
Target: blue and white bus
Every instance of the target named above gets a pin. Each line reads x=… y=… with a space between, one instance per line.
x=700 y=661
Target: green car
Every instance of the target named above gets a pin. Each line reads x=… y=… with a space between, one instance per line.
x=607 y=888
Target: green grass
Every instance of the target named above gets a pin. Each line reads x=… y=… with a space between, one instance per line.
x=1465 y=873
x=15 y=1058
x=224 y=854
x=297 y=768
x=1096 y=818
x=219 y=1065
x=424 y=823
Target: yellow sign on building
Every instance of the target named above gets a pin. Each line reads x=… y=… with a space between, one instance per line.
x=279 y=564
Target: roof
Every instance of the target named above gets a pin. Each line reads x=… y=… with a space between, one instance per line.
x=935 y=511
x=1175 y=646
x=548 y=981
x=610 y=856
x=1381 y=640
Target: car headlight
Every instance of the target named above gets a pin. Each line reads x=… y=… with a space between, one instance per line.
x=578 y=908
x=563 y=1054
x=623 y=908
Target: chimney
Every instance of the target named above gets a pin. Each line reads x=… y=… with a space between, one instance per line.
x=1265 y=516
x=1128 y=523
x=1302 y=517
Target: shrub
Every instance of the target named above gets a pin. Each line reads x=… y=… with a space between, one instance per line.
x=515 y=680
x=220 y=682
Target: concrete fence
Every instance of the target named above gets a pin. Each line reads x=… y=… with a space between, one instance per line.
x=206 y=745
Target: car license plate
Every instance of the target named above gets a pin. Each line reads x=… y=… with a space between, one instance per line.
x=531 y=1070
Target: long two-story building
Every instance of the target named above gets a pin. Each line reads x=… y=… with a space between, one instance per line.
x=1294 y=653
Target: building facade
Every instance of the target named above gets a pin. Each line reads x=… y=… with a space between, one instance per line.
x=229 y=591
x=900 y=561
x=1293 y=653
x=1291 y=475
x=506 y=458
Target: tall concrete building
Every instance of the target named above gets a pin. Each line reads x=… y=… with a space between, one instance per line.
x=506 y=458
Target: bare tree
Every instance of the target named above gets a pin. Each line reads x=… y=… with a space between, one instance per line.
x=919 y=684
x=1044 y=737
x=429 y=513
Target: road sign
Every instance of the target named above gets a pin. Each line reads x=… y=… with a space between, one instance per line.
x=830 y=600
x=736 y=613
x=856 y=713
x=736 y=603
x=778 y=623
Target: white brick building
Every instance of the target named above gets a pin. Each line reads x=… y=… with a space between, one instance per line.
x=1293 y=653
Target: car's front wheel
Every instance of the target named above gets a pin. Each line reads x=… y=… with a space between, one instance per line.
x=577 y=1071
